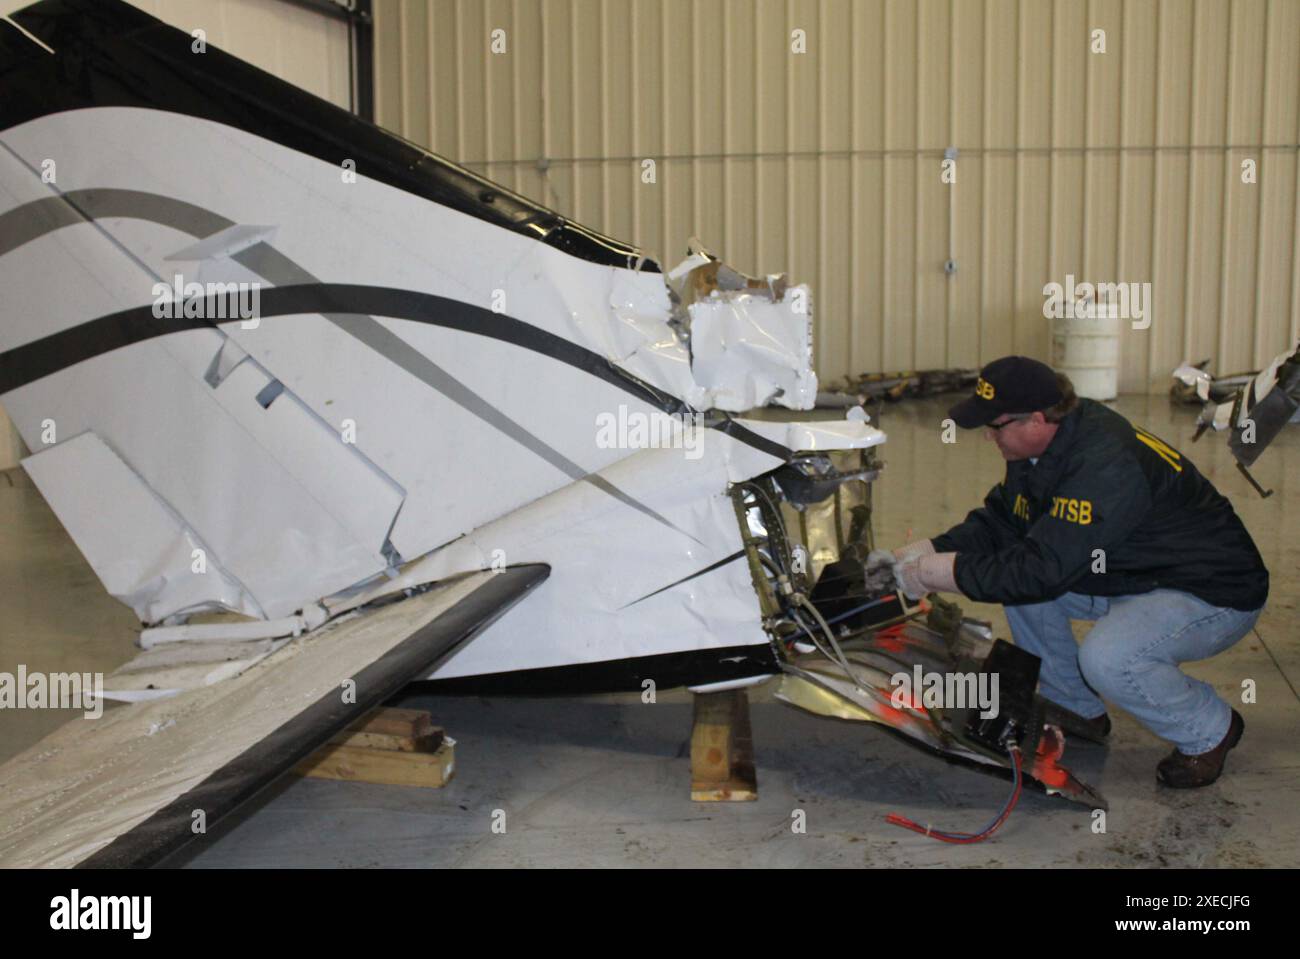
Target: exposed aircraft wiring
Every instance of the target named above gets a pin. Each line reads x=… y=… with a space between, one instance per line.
x=837 y=656
x=792 y=600
x=857 y=609
x=788 y=594
x=965 y=838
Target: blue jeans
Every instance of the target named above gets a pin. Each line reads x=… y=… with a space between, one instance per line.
x=1131 y=657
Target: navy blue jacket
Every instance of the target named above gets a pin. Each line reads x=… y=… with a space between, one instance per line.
x=1109 y=510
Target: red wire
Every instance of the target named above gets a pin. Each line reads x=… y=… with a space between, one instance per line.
x=960 y=838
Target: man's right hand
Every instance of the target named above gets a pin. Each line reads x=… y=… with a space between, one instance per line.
x=880 y=571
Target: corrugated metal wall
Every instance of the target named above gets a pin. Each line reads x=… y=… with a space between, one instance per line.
x=294 y=43
x=1115 y=166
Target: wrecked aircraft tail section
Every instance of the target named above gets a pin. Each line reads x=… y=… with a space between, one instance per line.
x=454 y=389
x=258 y=465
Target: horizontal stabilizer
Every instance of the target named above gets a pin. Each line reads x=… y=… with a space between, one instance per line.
x=125 y=789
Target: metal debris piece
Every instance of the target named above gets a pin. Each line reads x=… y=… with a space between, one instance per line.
x=1255 y=410
x=815 y=683
x=1195 y=385
x=907 y=384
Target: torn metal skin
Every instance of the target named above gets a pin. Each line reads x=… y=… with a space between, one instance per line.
x=750 y=338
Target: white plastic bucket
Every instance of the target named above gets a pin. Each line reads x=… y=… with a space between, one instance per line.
x=1086 y=349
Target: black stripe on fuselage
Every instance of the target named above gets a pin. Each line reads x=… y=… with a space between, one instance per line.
x=686 y=579
x=50 y=354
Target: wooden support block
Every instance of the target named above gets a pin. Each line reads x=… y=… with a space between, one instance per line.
x=722 y=749
x=387 y=721
x=393 y=747
x=410 y=730
x=387 y=767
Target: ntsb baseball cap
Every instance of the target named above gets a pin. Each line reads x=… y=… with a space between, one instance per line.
x=1012 y=384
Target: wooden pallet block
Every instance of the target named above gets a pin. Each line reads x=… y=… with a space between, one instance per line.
x=392 y=747
x=722 y=749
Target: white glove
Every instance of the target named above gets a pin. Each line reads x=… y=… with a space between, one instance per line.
x=933 y=573
x=922 y=547
x=909 y=580
x=880 y=571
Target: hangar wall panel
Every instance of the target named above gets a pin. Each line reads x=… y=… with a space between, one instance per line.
x=296 y=44
x=1115 y=166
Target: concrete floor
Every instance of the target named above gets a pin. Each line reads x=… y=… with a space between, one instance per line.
x=604 y=780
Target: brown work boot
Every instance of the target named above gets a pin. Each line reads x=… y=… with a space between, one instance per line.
x=1181 y=771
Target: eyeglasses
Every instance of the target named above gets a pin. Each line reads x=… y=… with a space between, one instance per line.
x=1015 y=419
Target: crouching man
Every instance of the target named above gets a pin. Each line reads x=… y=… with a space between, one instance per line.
x=1099 y=520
